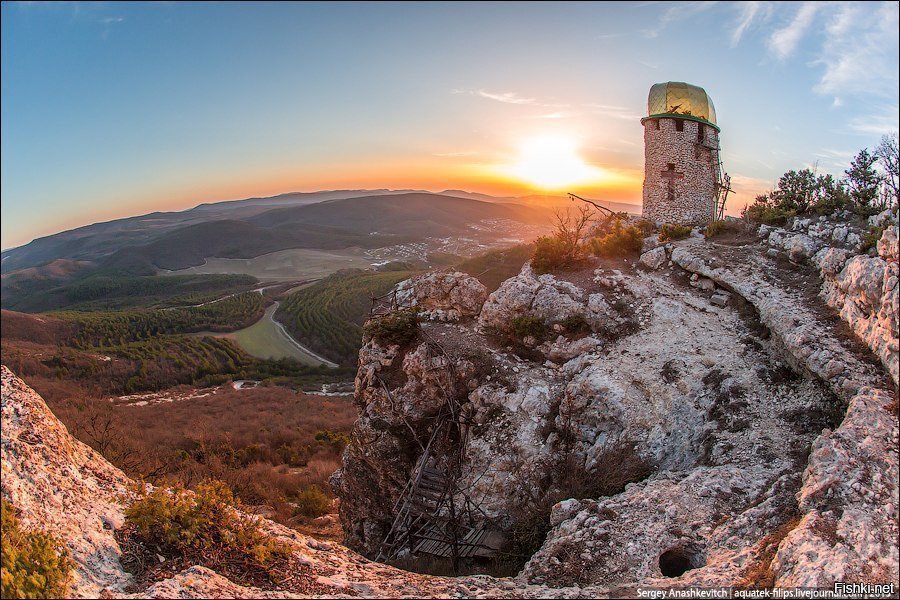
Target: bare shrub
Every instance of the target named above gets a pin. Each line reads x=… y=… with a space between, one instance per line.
x=564 y=249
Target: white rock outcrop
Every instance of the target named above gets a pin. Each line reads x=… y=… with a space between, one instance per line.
x=848 y=502
x=865 y=291
x=654 y=259
x=443 y=296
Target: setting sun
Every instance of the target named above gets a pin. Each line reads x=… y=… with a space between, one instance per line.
x=552 y=162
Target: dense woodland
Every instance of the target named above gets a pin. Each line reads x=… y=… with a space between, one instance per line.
x=109 y=328
x=45 y=290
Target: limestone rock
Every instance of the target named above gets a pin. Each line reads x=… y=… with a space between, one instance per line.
x=544 y=296
x=849 y=503
x=800 y=247
x=887 y=246
x=654 y=259
x=443 y=296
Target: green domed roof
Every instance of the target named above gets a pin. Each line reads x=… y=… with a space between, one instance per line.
x=679 y=98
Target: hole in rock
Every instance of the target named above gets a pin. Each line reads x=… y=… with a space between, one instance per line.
x=680 y=559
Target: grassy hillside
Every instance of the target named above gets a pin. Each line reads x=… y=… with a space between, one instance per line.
x=93 y=242
x=415 y=214
x=328 y=315
x=141 y=245
x=267 y=443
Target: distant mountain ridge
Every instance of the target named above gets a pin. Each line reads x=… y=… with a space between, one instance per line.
x=250 y=227
x=247 y=228
x=90 y=242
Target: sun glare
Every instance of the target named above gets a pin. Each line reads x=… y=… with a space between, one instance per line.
x=552 y=162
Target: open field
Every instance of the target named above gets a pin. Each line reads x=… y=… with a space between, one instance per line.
x=284 y=265
x=268 y=339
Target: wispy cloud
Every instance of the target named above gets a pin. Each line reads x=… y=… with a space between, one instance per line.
x=676 y=12
x=860 y=49
x=456 y=154
x=616 y=112
x=783 y=41
x=749 y=12
x=509 y=98
x=883 y=120
x=110 y=20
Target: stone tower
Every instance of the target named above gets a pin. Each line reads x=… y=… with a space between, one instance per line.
x=681 y=155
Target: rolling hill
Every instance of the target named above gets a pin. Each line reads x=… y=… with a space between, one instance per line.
x=141 y=245
x=92 y=242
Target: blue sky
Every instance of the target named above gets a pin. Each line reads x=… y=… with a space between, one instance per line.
x=114 y=109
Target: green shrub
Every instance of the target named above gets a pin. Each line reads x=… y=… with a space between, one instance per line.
x=720 y=227
x=646 y=226
x=555 y=253
x=870 y=238
x=673 y=231
x=575 y=324
x=312 y=502
x=33 y=564
x=618 y=240
x=527 y=325
x=765 y=211
x=203 y=525
x=399 y=327
x=336 y=439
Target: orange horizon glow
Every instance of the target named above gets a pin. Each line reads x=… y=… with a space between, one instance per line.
x=611 y=184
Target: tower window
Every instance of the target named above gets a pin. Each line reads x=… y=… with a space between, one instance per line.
x=700 y=132
x=656 y=124
x=679 y=124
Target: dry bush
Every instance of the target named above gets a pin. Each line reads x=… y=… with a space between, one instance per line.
x=399 y=327
x=564 y=249
x=312 y=502
x=527 y=325
x=672 y=231
x=721 y=227
x=204 y=528
x=617 y=239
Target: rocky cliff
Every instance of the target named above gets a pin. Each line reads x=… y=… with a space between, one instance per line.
x=63 y=487
x=744 y=392
x=713 y=414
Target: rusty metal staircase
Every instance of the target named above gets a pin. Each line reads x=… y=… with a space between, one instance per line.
x=432 y=515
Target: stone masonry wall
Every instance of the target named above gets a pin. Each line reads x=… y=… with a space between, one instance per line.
x=694 y=193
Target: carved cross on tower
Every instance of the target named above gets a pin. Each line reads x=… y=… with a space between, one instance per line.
x=671 y=174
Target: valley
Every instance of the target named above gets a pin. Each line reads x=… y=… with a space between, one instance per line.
x=284 y=265
x=267 y=338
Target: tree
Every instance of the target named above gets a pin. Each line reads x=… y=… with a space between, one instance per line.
x=795 y=190
x=888 y=154
x=863 y=179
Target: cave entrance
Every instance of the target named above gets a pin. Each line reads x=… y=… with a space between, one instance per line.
x=680 y=559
